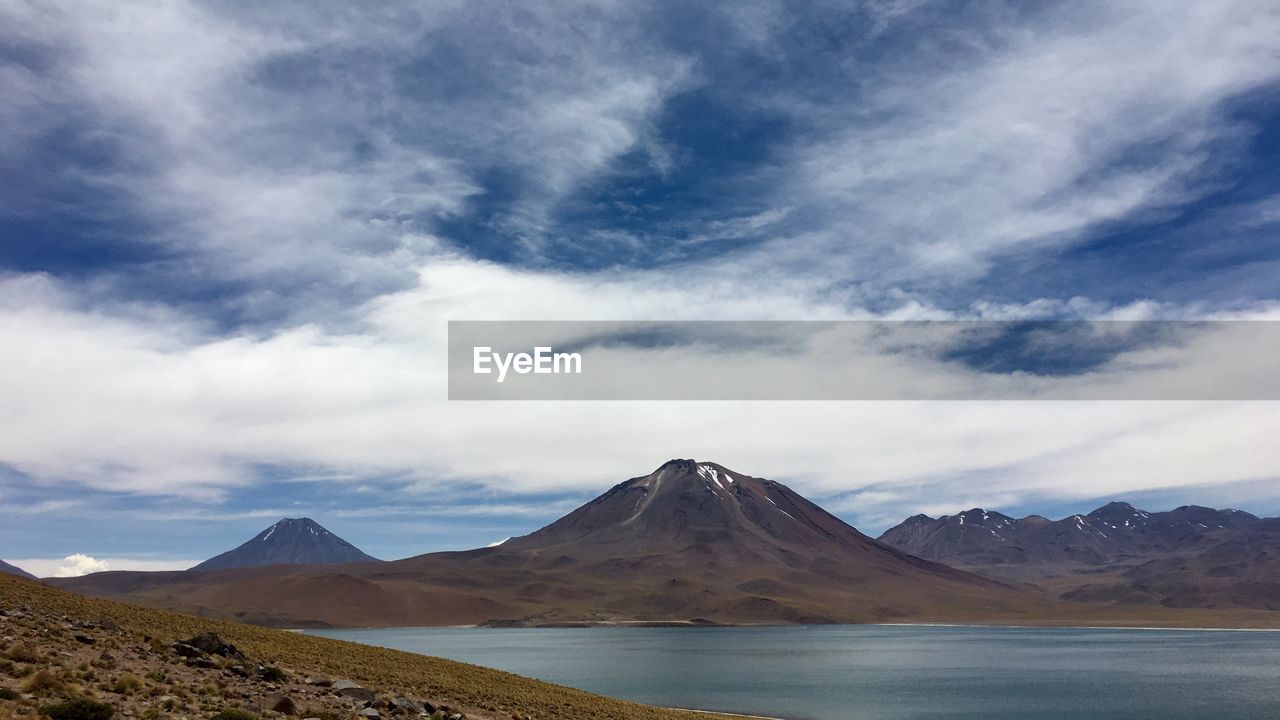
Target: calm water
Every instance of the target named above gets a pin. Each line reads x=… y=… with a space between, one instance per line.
x=857 y=672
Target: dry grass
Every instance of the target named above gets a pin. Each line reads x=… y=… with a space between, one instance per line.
x=384 y=670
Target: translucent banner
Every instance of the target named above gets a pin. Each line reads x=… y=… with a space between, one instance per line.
x=864 y=360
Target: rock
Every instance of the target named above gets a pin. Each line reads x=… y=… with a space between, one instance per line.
x=370 y=714
x=210 y=643
x=343 y=684
x=348 y=689
x=270 y=674
x=187 y=651
x=406 y=706
x=109 y=625
x=201 y=662
x=84 y=639
x=280 y=703
x=239 y=670
x=319 y=682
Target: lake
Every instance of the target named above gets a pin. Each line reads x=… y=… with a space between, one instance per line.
x=875 y=672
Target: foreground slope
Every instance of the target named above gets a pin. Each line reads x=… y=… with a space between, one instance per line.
x=129 y=655
x=1187 y=557
x=292 y=541
x=691 y=542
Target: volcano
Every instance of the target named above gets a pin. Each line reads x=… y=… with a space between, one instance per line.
x=298 y=541
x=689 y=543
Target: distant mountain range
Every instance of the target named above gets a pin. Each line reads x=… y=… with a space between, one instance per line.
x=691 y=542
x=1188 y=557
x=292 y=541
x=15 y=570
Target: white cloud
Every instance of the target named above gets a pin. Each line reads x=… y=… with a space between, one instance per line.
x=141 y=408
x=70 y=566
x=245 y=140
x=1092 y=113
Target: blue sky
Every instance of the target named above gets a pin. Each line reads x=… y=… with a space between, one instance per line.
x=231 y=235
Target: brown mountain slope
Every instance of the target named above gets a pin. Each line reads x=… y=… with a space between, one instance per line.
x=689 y=542
x=15 y=570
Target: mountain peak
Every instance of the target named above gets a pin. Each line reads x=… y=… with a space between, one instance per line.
x=303 y=524
x=293 y=541
x=687 y=502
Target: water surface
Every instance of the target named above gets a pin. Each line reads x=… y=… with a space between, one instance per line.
x=855 y=672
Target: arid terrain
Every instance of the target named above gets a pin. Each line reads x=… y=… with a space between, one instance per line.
x=73 y=658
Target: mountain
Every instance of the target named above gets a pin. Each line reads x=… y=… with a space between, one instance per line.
x=15 y=570
x=689 y=543
x=292 y=541
x=1191 y=556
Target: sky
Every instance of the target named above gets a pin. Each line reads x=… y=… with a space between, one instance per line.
x=232 y=234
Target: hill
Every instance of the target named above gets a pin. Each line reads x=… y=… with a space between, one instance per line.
x=292 y=541
x=1191 y=556
x=15 y=570
x=62 y=645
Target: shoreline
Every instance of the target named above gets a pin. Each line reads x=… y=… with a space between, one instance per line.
x=647 y=624
x=1079 y=627
x=721 y=712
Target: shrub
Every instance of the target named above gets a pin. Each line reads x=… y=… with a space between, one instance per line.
x=127 y=684
x=80 y=708
x=8 y=694
x=43 y=683
x=234 y=714
x=272 y=674
x=23 y=654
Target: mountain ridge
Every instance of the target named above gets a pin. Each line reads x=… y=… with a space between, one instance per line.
x=1191 y=556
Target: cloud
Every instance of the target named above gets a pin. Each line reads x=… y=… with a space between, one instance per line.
x=256 y=156
x=143 y=409
x=1037 y=136
x=70 y=566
